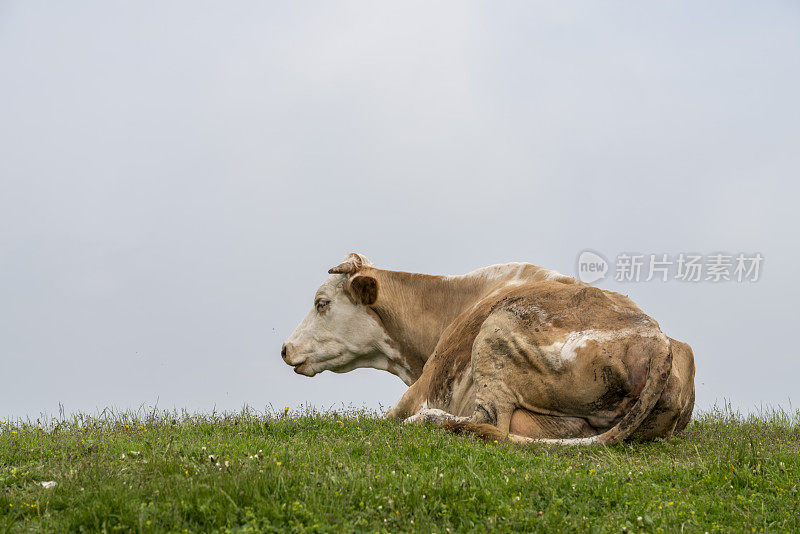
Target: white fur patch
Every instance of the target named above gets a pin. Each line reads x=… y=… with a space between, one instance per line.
x=433 y=415
x=552 y=275
x=562 y=352
x=508 y=271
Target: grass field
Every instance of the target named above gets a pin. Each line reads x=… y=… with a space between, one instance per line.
x=353 y=471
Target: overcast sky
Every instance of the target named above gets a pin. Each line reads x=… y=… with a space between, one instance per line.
x=176 y=178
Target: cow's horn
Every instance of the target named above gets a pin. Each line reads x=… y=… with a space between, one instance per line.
x=352 y=264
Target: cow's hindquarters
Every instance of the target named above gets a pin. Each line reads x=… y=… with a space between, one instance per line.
x=673 y=411
x=653 y=349
x=659 y=369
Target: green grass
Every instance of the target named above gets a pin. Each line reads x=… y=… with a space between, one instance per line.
x=354 y=471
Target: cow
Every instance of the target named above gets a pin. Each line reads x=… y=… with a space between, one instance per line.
x=510 y=352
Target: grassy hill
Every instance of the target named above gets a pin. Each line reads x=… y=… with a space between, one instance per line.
x=353 y=471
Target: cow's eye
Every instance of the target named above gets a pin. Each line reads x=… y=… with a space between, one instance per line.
x=322 y=304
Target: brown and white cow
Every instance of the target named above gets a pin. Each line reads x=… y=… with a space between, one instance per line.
x=510 y=351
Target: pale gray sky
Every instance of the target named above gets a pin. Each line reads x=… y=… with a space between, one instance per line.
x=176 y=178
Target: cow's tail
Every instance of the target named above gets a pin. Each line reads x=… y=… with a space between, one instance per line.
x=659 y=369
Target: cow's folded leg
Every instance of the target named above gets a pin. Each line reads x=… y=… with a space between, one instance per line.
x=434 y=415
x=495 y=414
x=457 y=425
x=494 y=357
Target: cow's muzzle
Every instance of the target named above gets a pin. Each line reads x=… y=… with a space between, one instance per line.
x=288 y=353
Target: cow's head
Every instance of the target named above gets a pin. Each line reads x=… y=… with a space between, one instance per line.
x=341 y=332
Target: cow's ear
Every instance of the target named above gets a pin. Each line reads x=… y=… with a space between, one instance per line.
x=364 y=288
x=351 y=264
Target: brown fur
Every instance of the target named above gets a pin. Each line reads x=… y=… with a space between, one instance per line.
x=364 y=289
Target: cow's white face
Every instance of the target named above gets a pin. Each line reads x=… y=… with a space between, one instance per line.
x=340 y=333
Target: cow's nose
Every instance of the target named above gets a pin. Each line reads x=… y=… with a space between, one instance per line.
x=290 y=356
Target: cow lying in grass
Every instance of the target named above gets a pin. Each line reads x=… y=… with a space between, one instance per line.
x=510 y=351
